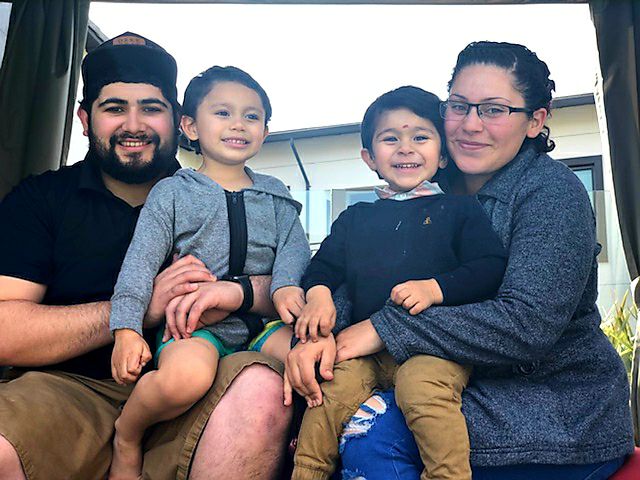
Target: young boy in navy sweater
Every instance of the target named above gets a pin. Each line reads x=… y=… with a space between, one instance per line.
x=418 y=248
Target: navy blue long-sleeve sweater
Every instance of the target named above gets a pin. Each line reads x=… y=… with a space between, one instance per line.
x=375 y=246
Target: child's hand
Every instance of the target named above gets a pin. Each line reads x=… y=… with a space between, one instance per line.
x=300 y=372
x=185 y=314
x=289 y=302
x=319 y=312
x=417 y=295
x=130 y=354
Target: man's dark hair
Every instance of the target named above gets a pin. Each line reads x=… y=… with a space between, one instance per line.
x=422 y=103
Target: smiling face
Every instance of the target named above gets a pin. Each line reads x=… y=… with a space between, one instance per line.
x=229 y=124
x=131 y=131
x=405 y=150
x=480 y=150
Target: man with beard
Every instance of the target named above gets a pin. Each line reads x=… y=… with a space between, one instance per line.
x=64 y=235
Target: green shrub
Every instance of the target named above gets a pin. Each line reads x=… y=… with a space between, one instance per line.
x=619 y=326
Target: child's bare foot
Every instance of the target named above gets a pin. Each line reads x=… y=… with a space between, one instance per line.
x=127 y=459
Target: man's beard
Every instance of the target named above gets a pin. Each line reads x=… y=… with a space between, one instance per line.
x=134 y=170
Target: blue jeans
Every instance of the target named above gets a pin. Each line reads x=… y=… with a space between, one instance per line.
x=384 y=449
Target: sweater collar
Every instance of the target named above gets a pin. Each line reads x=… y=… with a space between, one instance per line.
x=424 y=189
x=500 y=186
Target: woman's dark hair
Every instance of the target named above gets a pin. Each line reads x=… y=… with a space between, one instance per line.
x=200 y=86
x=530 y=73
x=424 y=104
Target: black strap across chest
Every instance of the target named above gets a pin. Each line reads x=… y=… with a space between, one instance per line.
x=238 y=251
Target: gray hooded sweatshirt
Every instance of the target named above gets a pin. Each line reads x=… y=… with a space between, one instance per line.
x=187 y=214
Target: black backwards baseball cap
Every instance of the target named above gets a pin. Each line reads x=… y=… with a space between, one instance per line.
x=129 y=58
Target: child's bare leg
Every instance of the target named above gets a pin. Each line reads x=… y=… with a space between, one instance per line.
x=279 y=343
x=186 y=371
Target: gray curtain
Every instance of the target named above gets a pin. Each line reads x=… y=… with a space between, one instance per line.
x=617 y=25
x=38 y=82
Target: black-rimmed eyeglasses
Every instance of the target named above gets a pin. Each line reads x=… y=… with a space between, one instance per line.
x=453 y=110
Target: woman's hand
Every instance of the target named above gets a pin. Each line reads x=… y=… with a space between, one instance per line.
x=300 y=372
x=358 y=340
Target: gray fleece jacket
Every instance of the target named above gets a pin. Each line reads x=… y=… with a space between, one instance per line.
x=187 y=214
x=547 y=386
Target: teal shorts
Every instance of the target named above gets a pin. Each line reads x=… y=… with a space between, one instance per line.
x=270 y=328
x=223 y=350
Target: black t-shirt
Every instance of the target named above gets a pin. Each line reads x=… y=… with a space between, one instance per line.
x=65 y=230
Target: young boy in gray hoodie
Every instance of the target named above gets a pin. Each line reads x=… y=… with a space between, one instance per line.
x=238 y=223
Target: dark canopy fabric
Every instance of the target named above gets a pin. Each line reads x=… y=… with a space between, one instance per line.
x=38 y=82
x=617 y=25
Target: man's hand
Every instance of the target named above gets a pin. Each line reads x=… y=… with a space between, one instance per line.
x=300 y=373
x=319 y=312
x=181 y=278
x=358 y=340
x=130 y=354
x=417 y=295
x=289 y=302
x=184 y=314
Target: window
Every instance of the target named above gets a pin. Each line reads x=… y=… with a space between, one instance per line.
x=360 y=195
x=342 y=198
x=589 y=171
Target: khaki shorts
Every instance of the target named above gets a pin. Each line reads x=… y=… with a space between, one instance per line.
x=61 y=425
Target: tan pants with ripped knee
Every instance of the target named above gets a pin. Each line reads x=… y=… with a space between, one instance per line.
x=428 y=391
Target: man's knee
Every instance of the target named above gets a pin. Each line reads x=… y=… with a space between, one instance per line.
x=255 y=399
x=255 y=384
x=249 y=423
x=247 y=430
x=10 y=466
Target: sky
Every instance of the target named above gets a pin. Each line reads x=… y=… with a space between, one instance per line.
x=324 y=64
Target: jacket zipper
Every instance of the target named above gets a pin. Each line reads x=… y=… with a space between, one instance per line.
x=237 y=232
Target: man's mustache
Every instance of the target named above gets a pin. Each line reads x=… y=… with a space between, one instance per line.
x=154 y=139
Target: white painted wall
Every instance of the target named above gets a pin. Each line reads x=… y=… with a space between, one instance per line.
x=575 y=131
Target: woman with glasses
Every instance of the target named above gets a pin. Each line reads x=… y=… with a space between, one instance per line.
x=549 y=396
